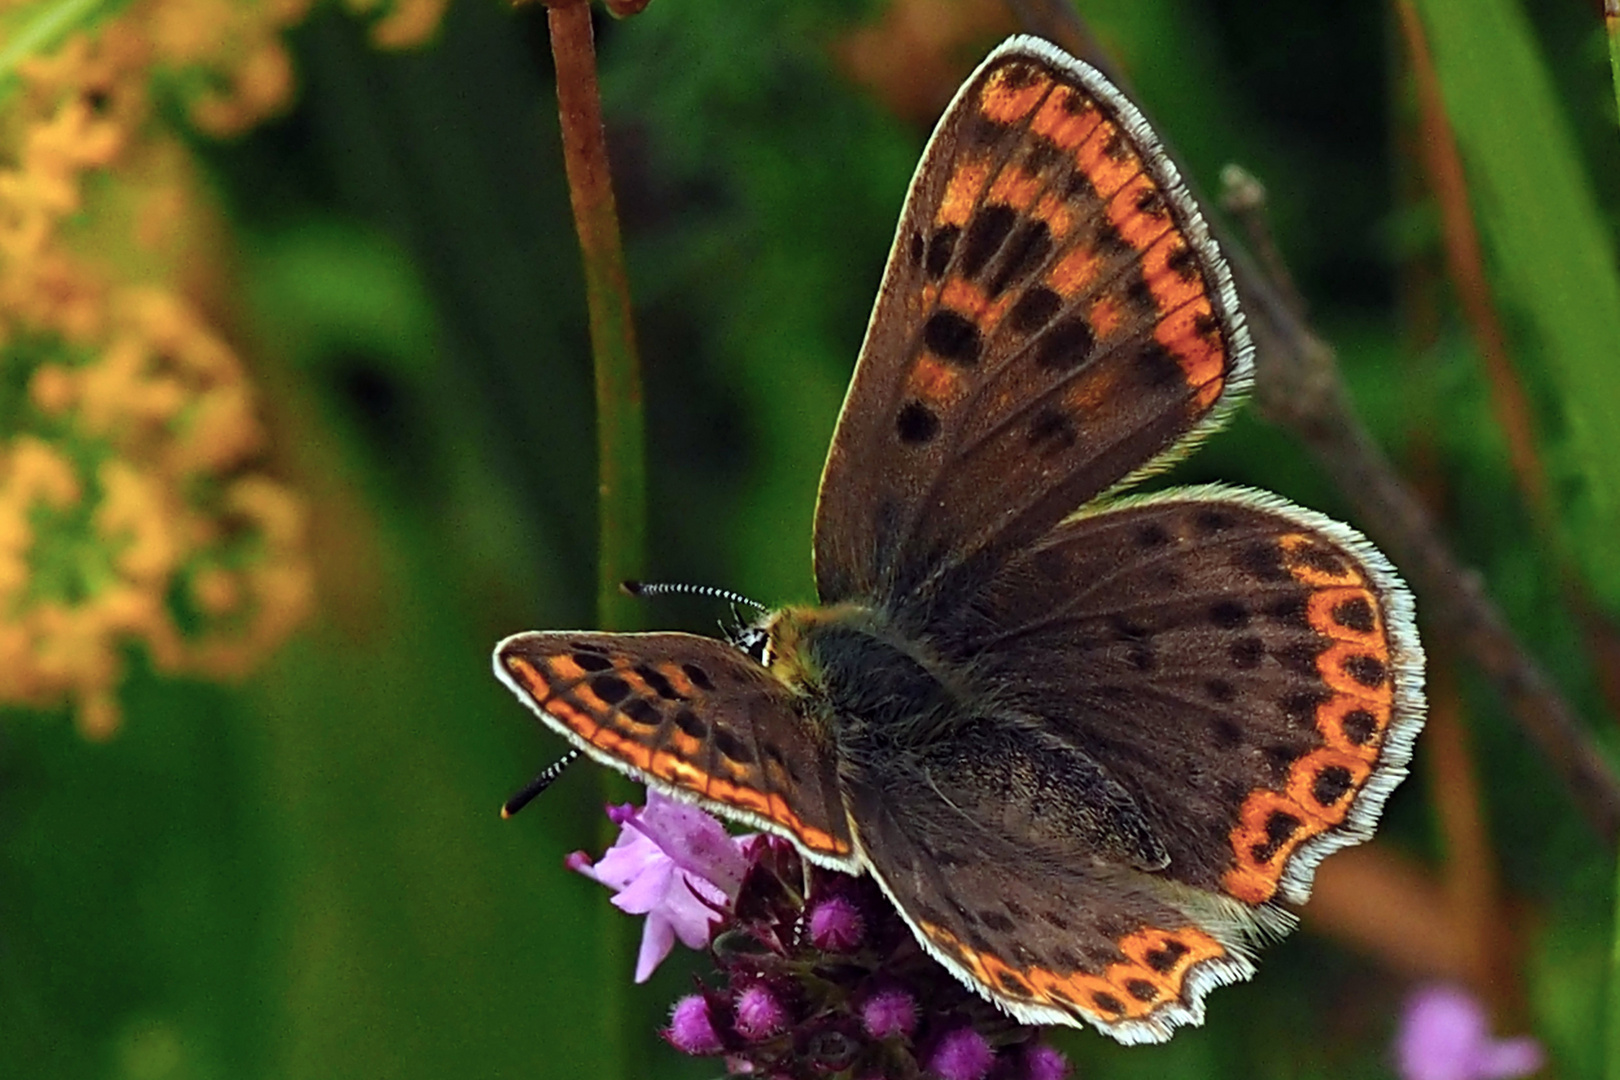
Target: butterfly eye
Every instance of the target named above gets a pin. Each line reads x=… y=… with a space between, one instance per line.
x=756 y=642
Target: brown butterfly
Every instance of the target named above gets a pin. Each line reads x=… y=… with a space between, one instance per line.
x=1085 y=752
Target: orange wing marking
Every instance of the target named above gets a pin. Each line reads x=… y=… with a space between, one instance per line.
x=962 y=192
x=1322 y=785
x=1067 y=118
x=1138 y=227
x=1015 y=187
x=1012 y=93
x=1074 y=271
x=1153 y=973
x=1107 y=160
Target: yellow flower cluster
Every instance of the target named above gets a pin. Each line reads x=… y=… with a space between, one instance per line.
x=134 y=505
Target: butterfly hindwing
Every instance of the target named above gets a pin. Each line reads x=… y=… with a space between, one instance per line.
x=692 y=716
x=1053 y=320
x=1048 y=933
x=1247 y=670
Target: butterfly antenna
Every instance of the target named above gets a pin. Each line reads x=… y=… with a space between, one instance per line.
x=644 y=588
x=534 y=787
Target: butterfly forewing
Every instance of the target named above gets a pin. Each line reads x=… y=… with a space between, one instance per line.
x=1053 y=320
x=692 y=715
x=1247 y=670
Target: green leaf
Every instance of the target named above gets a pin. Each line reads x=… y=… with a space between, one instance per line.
x=1553 y=256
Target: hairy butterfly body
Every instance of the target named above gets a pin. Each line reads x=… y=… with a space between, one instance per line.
x=1086 y=752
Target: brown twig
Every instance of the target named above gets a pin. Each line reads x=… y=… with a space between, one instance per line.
x=1465 y=263
x=1299 y=388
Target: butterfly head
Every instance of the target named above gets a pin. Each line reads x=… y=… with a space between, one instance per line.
x=779 y=640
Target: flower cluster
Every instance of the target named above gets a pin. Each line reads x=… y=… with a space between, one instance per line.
x=818 y=975
x=134 y=503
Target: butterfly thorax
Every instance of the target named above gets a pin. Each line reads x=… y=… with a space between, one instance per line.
x=860 y=680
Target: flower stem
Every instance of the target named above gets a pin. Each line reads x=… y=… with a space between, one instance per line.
x=619 y=434
x=620 y=437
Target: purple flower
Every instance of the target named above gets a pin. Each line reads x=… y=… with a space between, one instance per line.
x=815 y=973
x=1042 y=1062
x=962 y=1055
x=674 y=864
x=889 y=1013
x=836 y=925
x=1445 y=1035
x=759 y=1013
x=690 y=1028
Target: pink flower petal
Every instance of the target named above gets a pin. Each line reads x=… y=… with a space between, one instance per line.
x=657 y=939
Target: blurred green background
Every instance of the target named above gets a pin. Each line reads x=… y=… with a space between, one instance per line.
x=304 y=876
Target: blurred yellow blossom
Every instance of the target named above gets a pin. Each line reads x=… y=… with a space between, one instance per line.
x=135 y=507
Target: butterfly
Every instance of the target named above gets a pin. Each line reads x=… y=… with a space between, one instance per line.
x=1088 y=743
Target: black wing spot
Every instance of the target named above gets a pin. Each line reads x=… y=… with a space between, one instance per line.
x=1213 y=521
x=660 y=685
x=1116 y=147
x=699 y=677
x=1369 y=671
x=1107 y=1004
x=691 y=723
x=1139 y=294
x=590 y=661
x=1042 y=154
x=610 y=688
x=1067 y=345
x=1301 y=707
x=732 y=747
x=1142 y=990
x=1034 y=309
x=1183 y=262
x=1053 y=431
x=1020 y=76
x=1229 y=615
x=986 y=233
x=643 y=712
x=1356 y=614
x=1224 y=692
x=916 y=247
x=1206 y=325
x=1165 y=959
x=1330 y=785
x=1321 y=559
x=1359 y=726
x=1109 y=240
x=1279 y=828
x=997 y=921
x=940 y=248
x=1158 y=366
x=1030 y=244
x=916 y=423
x=1228 y=735
x=1150 y=201
x=951 y=336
